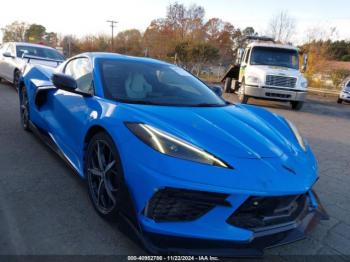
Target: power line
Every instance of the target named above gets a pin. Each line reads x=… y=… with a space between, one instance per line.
x=113 y=23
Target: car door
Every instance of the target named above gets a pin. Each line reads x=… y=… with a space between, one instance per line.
x=3 y=60
x=10 y=63
x=71 y=111
x=245 y=62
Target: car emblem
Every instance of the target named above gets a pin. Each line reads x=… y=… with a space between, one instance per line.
x=289 y=169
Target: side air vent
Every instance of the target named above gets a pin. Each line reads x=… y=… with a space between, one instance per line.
x=170 y=205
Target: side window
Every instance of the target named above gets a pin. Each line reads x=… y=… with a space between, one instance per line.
x=81 y=70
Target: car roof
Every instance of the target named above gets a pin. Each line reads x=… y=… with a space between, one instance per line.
x=116 y=56
x=273 y=45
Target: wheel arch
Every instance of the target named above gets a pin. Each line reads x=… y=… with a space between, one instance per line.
x=93 y=130
x=129 y=214
x=15 y=70
x=20 y=87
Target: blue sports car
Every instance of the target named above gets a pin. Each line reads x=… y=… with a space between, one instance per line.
x=187 y=171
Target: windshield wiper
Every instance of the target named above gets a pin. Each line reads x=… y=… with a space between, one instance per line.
x=208 y=105
x=139 y=102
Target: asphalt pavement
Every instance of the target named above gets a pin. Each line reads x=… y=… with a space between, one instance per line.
x=45 y=209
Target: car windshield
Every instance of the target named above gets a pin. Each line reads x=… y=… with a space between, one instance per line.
x=41 y=52
x=275 y=57
x=145 y=82
x=347 y=86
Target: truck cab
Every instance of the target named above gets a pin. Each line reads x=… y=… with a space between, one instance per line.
x=266 y=70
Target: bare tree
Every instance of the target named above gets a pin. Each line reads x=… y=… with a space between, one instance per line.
x=320 y=33
x=15 y=32
x=282 y=27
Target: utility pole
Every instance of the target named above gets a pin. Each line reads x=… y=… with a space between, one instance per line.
x=113 y=23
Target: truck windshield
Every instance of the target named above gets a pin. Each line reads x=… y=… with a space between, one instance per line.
x=275 y=57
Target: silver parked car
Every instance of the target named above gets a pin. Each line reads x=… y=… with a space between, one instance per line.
x=345 y=92
x=14 y=56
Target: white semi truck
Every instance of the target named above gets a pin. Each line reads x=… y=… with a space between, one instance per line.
x=266 y=70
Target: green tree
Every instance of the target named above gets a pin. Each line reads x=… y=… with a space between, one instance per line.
x=129 y=42
x=203 y=53
x=35 y=33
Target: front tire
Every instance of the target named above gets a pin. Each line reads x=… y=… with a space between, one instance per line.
x=297 y=105
x=24 y=110
x=104 y=175
x=241 y=94
x=16 y=79
x=339 y=101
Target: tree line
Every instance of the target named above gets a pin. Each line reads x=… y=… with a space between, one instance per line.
x=185 y=37
x=182 y=36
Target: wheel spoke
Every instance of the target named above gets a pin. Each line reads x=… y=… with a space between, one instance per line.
x=100 y=157
x=95 y=172
x=99 y=191
x=109 y=166
x=109 y=192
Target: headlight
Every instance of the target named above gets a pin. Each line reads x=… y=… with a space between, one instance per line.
x=254 y=80
x=172 y=146
x=297 y=135
x=303 y=83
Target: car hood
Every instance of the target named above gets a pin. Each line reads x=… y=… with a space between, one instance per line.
x=230 y=131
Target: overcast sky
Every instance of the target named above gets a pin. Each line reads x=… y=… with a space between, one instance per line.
x=89 y=17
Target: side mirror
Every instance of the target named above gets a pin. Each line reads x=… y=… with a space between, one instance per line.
x=240 y=53
x=8 y=54
x=64 y=82
x=305 y=60
x=217 y=90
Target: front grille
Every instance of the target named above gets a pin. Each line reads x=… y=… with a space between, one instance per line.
x=283 y=81
x=169 y=204
x=260 y=212
x=276 y=95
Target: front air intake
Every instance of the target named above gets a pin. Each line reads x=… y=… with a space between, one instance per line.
x=170 y=205
x=260 y=212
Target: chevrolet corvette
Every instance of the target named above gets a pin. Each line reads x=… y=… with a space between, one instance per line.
x=189 y=172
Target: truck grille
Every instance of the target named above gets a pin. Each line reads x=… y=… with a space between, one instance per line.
x=283 y=81
x=259 y=212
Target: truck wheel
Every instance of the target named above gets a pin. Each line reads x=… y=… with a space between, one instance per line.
x=297 y=105
x=227 y=86
x=241 y=94
x=339 y=101
x=234 y=86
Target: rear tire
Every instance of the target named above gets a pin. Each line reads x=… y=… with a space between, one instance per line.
x=104 y=175
x=241 y=94
x=297 y=105
x=234 y=86
x=227 y=86
x=339 y=101
x=24 y=110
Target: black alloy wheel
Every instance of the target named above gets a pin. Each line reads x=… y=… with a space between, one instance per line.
x=103 y=171
x=24 y=110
